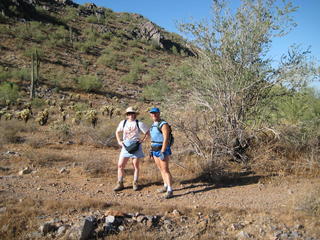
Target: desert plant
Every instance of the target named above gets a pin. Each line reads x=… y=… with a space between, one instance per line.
x=8 y=91
x=110 y=59
x=10 y=132
x=89 y=83
x=156 y=91
x=311 y=203
x=231 y=77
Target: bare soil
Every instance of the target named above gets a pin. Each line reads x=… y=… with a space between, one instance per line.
x=67 y=178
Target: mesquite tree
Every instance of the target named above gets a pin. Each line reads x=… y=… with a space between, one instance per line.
x=231 y=79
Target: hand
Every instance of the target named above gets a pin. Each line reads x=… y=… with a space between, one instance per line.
x=120 y=143
x=161 y=156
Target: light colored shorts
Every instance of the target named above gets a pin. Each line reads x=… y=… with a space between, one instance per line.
x=137 y=154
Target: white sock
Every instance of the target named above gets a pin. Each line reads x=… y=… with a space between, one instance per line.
x=135 y=178
x=169 y=189
x=120 y=179
x=165 y=185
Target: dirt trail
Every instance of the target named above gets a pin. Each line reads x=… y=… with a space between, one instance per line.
x=72 y=178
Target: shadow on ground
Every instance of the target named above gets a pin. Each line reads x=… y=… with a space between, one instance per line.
x=232 y=179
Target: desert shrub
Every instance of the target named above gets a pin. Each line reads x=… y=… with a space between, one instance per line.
x=137 y=66
x=109 y=59
x=81 y=107
x=31 y=50
x=4 y=75
x=96 y=167
x=89 y=83
x=22 y=74
x=71 y=13
x=38 y=102
x=8 y=91
x=311 y=203
x=92 y=19
x=47 y=159
x=231 y=81
x=59 y=36
x=107 y=36
x=85 y=46
x=61 y=130
x=131 y=77
x=156 y=91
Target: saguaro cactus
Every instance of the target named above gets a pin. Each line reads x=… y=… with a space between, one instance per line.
x=35 y=66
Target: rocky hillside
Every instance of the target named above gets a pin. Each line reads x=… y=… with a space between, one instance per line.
x=86 y=49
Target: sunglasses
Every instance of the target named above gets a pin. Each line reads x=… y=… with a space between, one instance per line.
x=129 y=113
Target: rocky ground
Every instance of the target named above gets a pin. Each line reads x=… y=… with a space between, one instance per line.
x=71 y=198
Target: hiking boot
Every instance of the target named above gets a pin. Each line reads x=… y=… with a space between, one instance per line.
x=135 y=186
x=162 y=190
x=119 y=186
x=168 y=195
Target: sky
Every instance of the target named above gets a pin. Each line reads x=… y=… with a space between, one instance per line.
x=167 y=13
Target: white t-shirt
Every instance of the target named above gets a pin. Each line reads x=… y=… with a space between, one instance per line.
x=131 y=130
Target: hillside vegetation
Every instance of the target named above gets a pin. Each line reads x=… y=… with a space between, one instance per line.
x=246 y=157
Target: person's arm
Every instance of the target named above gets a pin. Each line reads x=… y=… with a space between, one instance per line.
x=165 y=132
x=146 y=135
x=120 y=142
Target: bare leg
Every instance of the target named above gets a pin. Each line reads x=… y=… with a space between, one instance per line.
x=163 y=165
x=121 y=165
x=136 y=166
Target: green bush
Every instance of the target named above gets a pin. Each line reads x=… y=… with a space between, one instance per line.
x=156 y=91
x=89 y=83
x=4 y=75
x=8 y=91
x=110 y=60
x=37 y=102
x=131 y=77
x=71 y=13
x=93 y=19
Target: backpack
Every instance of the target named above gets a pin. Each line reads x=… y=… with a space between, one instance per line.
x=137 y=121
x=171 y=137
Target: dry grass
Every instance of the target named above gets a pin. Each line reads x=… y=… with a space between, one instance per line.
x=47 y=159
x=278 y=156
x=10 y=131
x=23 y=217
x=311 y=203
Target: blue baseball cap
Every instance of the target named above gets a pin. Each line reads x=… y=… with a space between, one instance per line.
x=154 y=110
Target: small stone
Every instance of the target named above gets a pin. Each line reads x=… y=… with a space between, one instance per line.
x=110 y=219
x=26 y=170
x=63 y=170
x=121 y=228
x=141 y=218
x=243 y=235
x=3 y=210
x=176 y=213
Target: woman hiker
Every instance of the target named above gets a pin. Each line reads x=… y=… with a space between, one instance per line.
x=131 y=129
x=160 y=149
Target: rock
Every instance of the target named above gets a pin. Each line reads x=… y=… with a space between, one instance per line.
x=243 y=235
x=63 y=170
x=46 y=228
x=236 y=226
x=4 y=169
x=26 y=170
x=83 y=230
x=110 y=219
x=141 y=218
x=176 y=213
x=62 y=230
x=11 y=153
x=3 y=210
x=121 y=228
